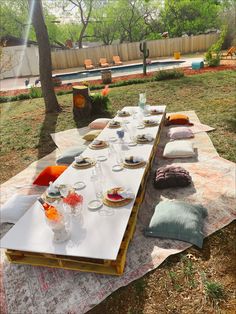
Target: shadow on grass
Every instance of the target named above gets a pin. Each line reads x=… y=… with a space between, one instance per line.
x=45 y=143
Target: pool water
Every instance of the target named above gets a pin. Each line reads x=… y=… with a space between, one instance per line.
x=132 y=68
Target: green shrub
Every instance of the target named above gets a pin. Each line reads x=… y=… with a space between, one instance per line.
x=35 y=92
x=212 y=56
x=3 y=99
x=168 y=75
x=64 y=92
x=100 y=103
x=23 y=96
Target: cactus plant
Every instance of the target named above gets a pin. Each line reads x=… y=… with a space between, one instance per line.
x=145 y=53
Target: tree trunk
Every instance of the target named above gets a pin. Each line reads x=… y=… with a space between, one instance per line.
x=80 y=40
x=45 y=62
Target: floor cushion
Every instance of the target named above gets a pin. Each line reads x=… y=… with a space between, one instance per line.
x=90 y=136
x=179 y=221
x=178 y=133
x=15 y=207
x=179 y=149
x=68 y=156
x=171 y=176
x=49 y=174
x=99 y=123
x=178 y=118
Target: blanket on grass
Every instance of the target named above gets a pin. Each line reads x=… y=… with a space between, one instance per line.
x=43 y=290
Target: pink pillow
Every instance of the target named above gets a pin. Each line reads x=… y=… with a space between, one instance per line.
x=99 y=123
x=180 y=133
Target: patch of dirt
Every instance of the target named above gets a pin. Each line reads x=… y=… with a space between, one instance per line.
x=11 y=163
x=226 y=65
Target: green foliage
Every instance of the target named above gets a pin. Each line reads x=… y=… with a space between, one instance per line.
x=35 y=92
x=213 y=60
x=25 y=96
x=187 y=16
x=168 y=75
x=213 y=54
x=100 y=103
x=214 y=290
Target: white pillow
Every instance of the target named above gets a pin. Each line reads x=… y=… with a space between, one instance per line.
x=179 y=149
x=15 y=207
x=179 y=133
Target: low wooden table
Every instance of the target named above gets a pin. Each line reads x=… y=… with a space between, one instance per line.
x=98 y=243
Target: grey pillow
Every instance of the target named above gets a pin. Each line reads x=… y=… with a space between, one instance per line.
x=69 y=155
x=179 y=221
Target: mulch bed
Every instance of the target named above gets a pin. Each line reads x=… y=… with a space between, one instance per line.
x=67 y=87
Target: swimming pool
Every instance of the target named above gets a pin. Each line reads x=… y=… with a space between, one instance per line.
x=132 y=68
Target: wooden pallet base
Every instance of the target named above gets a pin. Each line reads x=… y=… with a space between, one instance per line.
x=101 y=266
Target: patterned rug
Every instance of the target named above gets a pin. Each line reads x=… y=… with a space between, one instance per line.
x=26 y=289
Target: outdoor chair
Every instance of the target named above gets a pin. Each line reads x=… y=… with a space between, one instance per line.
x=116 y=60
x=88 y=64
x=103 y=62
x=229 y=53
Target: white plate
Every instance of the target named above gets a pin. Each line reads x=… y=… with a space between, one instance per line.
x=141 y=126
x=112 y=139
x=132 y=144
x=101 y=158
x=117 y=168
x=95 y=204
x=79 y=185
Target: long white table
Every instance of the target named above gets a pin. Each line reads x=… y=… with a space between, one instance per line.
x=99 y=234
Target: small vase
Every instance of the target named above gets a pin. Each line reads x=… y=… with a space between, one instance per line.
x=57 y=220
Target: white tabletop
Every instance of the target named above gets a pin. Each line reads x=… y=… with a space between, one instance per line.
x=99 y=233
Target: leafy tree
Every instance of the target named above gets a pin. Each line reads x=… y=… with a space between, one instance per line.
x=191 y=17
x=133 y=19
x=228 y=17
x=14 y=17
x=104 y=24
x=84 y=11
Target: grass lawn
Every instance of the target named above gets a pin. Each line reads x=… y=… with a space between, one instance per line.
x=176 y=286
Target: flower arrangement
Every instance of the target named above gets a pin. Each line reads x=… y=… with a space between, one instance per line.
x=74 y=201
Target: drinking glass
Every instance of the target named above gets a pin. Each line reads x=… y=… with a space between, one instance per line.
x=121 y=134
x=142 y=101
x=132 y=133
x=97 y=184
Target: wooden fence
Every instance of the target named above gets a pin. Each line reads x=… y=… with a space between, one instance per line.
x=63 y=59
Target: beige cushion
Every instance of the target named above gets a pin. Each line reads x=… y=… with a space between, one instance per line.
x=91 y=135
x=179 y=149
x=99 y=123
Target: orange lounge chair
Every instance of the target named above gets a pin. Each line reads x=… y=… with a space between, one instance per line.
x=103 y=62
x=230 y=52
x=116 y=60
x=88 y=64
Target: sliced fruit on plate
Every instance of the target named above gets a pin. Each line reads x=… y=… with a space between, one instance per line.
x=114 y=196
